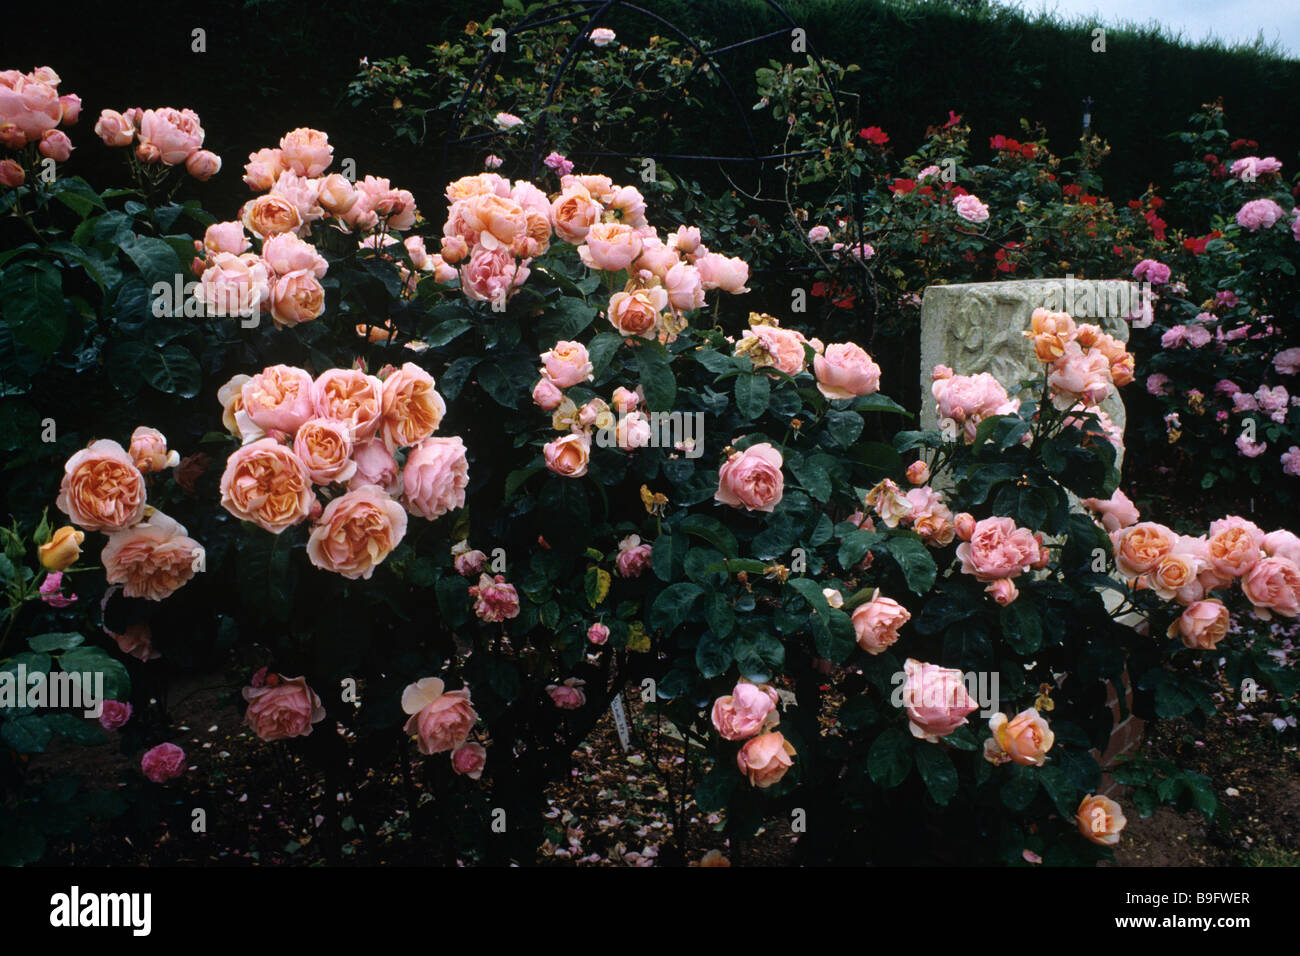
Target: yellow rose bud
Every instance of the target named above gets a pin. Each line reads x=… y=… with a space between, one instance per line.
x=63 y=549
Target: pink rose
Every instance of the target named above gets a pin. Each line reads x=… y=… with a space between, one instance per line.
x=969 y=399
x=11 y=174
x=1157 y=273
x=468 y=760
x=1202 y=625
x=547 y=395
x=602 y=36
x=305 y=151
x=375 y=466
x=765 y=759
x=998 y=549
x=818 y=234
x=1273 y=585
x=1259 y=214
x=752 y=479
x=440 y=719
x=598 y=633
x=918 y=473
x=162 y=763
x=412 y=407
x=51 y=591
x=610 y=246
x=55 y=145
x=336 y=194
x=203 y=164
x=633 y=557
x=114 y=715
x=1234 y=546
x=435 y=477
x=1115 y=512
x=152 y=559
x=114 y=129
x=1079 y=377
x=1003 y=591
x=845 y=370
x=970 y=208
x=1025 y=738
x=1282 y=544
x=720 y=272
x=281 y=708
x=569 y=695
x=748 y=709
x=494 y=599
x=226 y=237
x=1140 y=548
x=490 y=275
x=262 y=169
x=935 y=699
x=173 y=134
x=876 y=623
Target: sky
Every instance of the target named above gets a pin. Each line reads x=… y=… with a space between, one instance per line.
x=1197 y=19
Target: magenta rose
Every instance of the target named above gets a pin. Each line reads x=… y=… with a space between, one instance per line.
x=162 y=763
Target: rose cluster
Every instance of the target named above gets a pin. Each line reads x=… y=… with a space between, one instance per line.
x=341 y=432
x=104 y=489
x=442 y=720
x=749 y=713
x=31 y=110
x=1084 y=363
x=162 y=137
x=1189 y=569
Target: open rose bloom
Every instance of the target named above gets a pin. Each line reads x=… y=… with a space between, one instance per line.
x=439 y=719
x=282 y=709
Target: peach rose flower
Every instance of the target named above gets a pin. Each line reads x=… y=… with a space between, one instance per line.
x=283 y=708
x=748 y=709
x=102 y=489
x=234 y=286
x=152 y=559
x=1202 y=625
x=568 y=456
x=263 y=169
x=935 y=699
x=375 y=466
x=266 y=483
x=1141 y=547
x=114 y=129
x=771 y=347
x=278 y=398
x=270 y=215
x=336 y=195
x=136 y=641
x=296 y=298
x=356 y=532
x=440 y=719
x=845 y=370
x=350 y=396
x=610 y=247
x=876 y=623
x=637 y=312
x=228 y=237
x=435 y=477
x=573 y=214
x=306 y=151
x=1025 y=738
x=765 y=759
x=1235 y=546
x=1100 y=819
x=325 y=449
x=149 y=450
x=752 y=479
x=287 y=253
x=412 y=408
x=567 y=364
x=203 y=164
